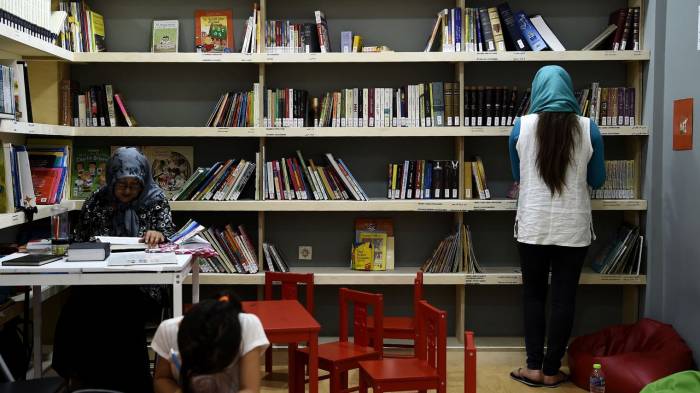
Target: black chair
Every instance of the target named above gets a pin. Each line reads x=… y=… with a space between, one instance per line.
x=43 y=385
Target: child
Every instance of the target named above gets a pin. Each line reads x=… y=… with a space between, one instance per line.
x=214 y=348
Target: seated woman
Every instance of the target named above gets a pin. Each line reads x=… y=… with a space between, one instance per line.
x=214 y=348
x=100 y=340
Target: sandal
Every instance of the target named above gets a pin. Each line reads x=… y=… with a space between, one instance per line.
x=518 y=376
x=563 y=380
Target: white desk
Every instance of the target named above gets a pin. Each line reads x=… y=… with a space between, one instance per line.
x=97 y=273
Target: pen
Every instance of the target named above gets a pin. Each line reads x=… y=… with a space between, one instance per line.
x=175 y=359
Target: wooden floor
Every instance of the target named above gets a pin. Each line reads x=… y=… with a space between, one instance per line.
x=492 y=374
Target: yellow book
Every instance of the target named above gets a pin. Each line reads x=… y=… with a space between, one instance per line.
x=356 y=44
x=379 y=242
x=390 y=253
x=468 y=180
x=363 y=256
x=393 y=180
x=482 y=177
x=97 y=31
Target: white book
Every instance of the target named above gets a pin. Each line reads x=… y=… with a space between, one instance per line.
x=290 y=107
x=546 y=33
x=9 y=190
x=26 y=187
x=254 y=32
x=404 y=180
x=355 y=108
x=387 y=107
x=378 y=107
x=365 y=107
x=396 y=118
x=109 y=93
x=248 y=36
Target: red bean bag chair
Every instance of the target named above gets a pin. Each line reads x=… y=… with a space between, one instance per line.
x=631 y=356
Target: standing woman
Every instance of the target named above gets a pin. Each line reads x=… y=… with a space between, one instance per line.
x=100 y=340
x=555 y=155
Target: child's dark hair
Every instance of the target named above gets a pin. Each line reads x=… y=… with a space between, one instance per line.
x=209 y=338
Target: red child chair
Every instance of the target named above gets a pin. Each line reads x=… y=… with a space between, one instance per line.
x=403 y=328
x=428 y=370
x=341 y=356
x=469 y=363
x=289 y=291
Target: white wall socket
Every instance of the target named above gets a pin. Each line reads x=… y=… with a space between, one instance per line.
x=305 y=253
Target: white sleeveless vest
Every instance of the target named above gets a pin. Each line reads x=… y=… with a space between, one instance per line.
x=563 y=219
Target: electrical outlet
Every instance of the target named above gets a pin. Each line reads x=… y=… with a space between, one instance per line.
x=305 y=253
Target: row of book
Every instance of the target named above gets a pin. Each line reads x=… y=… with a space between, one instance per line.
x=96 y=106
x=498 y=29
x=236 y=253
x=223 y=181
x=620 y=181
x=424 y=179
x=282 y=36
x=236 y=109
x=252 y=39
x=292 y=178
x=454 y=254
x=33 y=17
x=487 y=106
x=609 y=106
x=83 y=30
x=623 y=254
x=274 y=260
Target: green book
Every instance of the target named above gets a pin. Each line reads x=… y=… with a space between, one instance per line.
x=89 y=171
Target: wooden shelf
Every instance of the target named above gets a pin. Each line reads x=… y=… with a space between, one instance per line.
x=406 y=275
x=11 y=219
x=428 y=205
x=15 y=127
x=24 y=45
x=384 y=57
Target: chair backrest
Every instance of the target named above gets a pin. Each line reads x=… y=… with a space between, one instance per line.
x=431 y=338
x=417 y=291
x=290 y=282
x=469 y=363
x=361 y=301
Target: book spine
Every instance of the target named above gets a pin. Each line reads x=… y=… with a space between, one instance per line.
x=511 y=29
x=487 y=32
x=496 y=29
x=528 y=31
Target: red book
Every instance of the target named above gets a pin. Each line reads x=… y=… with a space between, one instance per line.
x=46 y=182
x=129 y=121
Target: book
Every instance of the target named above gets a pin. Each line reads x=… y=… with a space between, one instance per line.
x=171 y=166
x=89 y=170
x=511 y=32
x=322 y=30
x=213 y=31
x=31 y=260
x=496 y=29
x=486 y=30
x=600 y=39
x=346 y=41
x=87 y=251
x=23 y=102
x=128 y=119
x=529 y=32
x=546 y=33
x=165 y=36
x=379 y=233
x=97 y=31
x=309 y=38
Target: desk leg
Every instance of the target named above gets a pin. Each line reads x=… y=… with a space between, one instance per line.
x=177 y=298
x=195 y=281
x=36 y=308
x=313 y=364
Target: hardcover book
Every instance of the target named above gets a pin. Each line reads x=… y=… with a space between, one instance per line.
x=213 y=31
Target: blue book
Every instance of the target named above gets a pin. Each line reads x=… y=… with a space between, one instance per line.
x=477 y=23
x=428 y=180
x=529 y=33
x=512 y=30
x=458 y=30
x=346 y=41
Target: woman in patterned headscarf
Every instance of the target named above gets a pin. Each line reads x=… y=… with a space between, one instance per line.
x=130 y=204
x=100 y=341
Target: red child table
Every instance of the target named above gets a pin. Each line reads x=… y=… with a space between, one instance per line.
x=286 y=322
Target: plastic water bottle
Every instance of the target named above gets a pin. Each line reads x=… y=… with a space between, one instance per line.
x=597 y=379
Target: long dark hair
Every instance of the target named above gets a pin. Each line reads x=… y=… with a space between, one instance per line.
x=556 y=136
x=209 y=338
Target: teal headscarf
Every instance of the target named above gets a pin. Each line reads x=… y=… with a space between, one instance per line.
x=552 y=91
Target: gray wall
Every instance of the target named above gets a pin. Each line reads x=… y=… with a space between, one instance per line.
x=171 y=95
x=677 y=284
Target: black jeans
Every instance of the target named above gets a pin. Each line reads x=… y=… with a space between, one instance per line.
x=565 y=264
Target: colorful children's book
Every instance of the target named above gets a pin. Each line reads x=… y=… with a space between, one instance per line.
x=171 y=166
x=89 y=171
x=213 y=31
x=165 y=36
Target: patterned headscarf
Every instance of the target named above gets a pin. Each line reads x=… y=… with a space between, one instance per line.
x=128 y=162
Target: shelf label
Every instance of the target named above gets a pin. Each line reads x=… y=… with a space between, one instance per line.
x=493 y=279
x=484 y=57
x=624 y=278
x=482 y=205
x=519 y=56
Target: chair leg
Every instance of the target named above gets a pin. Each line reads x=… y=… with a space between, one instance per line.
x=344 y=380
x=363 y=383
x=291 y=366
x=335 y=380
x=268 y=360
x=299 y=375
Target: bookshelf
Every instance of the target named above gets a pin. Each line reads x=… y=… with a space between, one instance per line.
x=171 y=111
